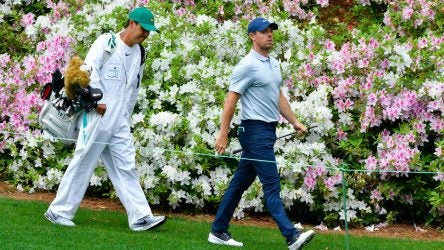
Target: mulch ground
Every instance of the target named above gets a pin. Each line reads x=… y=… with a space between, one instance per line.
x=391 y=231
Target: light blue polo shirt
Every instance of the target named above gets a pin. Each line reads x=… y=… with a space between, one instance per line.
x=258 y=80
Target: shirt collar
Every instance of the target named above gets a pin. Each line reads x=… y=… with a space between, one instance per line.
x=259 y=56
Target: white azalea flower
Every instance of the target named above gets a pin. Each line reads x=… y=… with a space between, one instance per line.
x=338 y=228
x=371 y=228
x=43 y=22
x=138 y=117
x=322 y=227
x=163 y=119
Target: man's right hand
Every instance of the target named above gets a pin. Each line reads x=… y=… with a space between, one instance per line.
x=227 y=115
x=221 y=143
x=101 y=109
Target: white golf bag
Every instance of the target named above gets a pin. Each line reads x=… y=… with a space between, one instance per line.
x=58 y=123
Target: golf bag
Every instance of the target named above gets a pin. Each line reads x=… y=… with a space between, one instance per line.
x=60 y=115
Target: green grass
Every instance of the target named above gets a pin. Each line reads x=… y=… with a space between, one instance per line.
x=22 y=226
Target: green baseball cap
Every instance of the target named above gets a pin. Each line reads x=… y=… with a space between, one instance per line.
x=144 y=17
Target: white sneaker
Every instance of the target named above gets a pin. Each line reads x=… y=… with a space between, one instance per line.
x=223 y=239
x=57 y=219
x=297 y=242
x=148 y=222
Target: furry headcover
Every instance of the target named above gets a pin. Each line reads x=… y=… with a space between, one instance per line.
x=75 y=76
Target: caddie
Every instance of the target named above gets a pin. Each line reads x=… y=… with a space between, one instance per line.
x=116 y=63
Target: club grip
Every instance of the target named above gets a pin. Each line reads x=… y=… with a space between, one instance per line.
x=236 y=151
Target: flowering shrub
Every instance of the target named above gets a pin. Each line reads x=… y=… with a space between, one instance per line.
x=374 y=103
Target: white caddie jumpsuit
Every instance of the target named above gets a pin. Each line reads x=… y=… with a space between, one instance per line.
x=119 y=78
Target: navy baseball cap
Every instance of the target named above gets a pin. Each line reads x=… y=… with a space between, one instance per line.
x=260 y=24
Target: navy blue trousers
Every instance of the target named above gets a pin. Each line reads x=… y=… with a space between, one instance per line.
x=257 y=139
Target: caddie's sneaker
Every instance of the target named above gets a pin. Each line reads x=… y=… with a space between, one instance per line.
x=297 y=242
x=223 y=239
x=148 y=222
x=57 y=219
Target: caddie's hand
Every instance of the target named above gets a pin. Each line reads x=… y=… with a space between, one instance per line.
x=221 y=143
x=101 y=109
x=300 y=128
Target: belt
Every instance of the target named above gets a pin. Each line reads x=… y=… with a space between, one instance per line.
x=258 y=122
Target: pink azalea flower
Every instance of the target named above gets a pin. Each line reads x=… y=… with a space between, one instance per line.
x=438 y=151
x=436 y=124
x=435 y=105
x=4 y=60
x=373 y=43
x=331 y=181
x=385 y=64
x=143 y=2
x=422 y=43
x=341 y=135
x=180 y=12
x=372 y=99
x=323 y=3
x=392 y=113
x=407 y=12
x=289 y=82
x=435 y=42
x=418 y=22
x=344 y=105
x=308 y=71
x=391 y=195
x=367 y=85
x=419 y=127
x=27 y=19
x=309 y=182
x=387 y=20
x=237 y=9
x=319 y=171
x=376 y=195
x=371 y=163
x=263 y=8
x=363 y=63
x=365 y=2
x=408 y=198
x=439 y=177
x=221 y=10
x=189 y=3
x=329 y=45
x=338 y=66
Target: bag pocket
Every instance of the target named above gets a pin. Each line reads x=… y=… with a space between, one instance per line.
x=58 y=124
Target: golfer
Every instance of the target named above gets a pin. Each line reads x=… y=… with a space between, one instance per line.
x=256 y=81
x=119 y=77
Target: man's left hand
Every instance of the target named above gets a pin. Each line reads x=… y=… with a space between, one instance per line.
x=300 y=128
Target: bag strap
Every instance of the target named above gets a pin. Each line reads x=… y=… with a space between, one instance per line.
x=110 y=47
x=142 y=54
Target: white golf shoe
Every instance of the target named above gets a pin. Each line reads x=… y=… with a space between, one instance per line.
x=223 y=239
x=57 y=219
x=148 y=222
x=298 y=241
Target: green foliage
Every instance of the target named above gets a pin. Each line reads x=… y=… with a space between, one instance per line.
x=14 y=40
x=109 y=230
x=203 y=53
